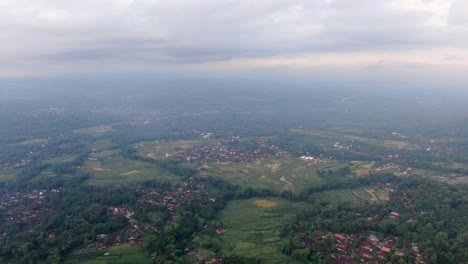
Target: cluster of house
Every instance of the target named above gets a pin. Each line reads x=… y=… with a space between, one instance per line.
x=203 y=259
x=133 y=233
x=311 y=160
x=172 y=200
x=388 y=166
x=134 y=230
x=13 y=205
x=404 y=198
x=229 y=151
x=23 y=207
x=341 y=148
x=352 y=248
x=18 y=164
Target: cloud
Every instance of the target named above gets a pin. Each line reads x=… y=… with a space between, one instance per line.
x=457 y=13
x=55 y=36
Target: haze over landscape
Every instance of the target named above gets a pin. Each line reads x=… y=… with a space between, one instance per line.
x=150 y=131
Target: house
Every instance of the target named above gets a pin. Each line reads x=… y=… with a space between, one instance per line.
x=386 y=249
x=340 y=236
x=343 y=247
x=220 y=231
x=394 y=214
x=100 y=246
x=216 y=260
x=191 y=251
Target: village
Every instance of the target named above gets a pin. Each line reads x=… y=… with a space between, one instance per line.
x=369 y=247
x=229 y=151
x=173 y=200
x=352 y=248
x=22 y=208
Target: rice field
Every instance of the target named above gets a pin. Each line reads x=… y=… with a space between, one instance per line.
x=251 y=227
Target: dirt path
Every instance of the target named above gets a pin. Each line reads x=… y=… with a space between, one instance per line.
x=100 y=169
x=290 y=184
x=372 y=193
x=130 y=173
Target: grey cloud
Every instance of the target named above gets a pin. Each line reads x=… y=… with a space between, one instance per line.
x=458 y=13
x=177 y=31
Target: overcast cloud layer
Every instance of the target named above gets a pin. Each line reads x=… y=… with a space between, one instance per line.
x=397 y=38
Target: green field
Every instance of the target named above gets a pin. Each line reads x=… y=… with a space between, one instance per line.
x=158 y=149
x=36 y=141
x=103 y=144
x=61 y=159
x=95 y=130
x=357 y=195
x=287 y=173
x=251 y=227
x=7 y=175
x=360 y=168
x=121 y=254
x=113 y=169
x=392 y=144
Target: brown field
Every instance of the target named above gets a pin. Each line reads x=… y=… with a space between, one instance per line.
x=266 y=203
x=151 y=155
x=274 y=167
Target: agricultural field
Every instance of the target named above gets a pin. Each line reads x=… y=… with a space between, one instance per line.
x=357 y=195
x=284 y=174
x=392 y=144
x=95 y=130
x=61 y=159
x=423 y=173
x=124 y=253
x=50 y=174
x=159 y=149
x=7 y=175
x=109 y=168
x=361 y=168
x=103 y=144
x=36 y=141
x=251 y=227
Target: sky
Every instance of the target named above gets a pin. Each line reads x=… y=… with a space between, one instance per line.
x=425 y=40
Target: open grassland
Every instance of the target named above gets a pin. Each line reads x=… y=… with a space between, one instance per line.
x=159 y=149
x=61 y=159
x=357 y=195
x=124 y=253
x=361 y=168
x=49 y=174
x=7 y=175
x=450 y=166
x=287 y=173
x=423 y=173
x=251 y=227
x=106 y=154
x=103 y=144
x=117 y=170
x=36 y=141
x=393 y=144
x=94 y=130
